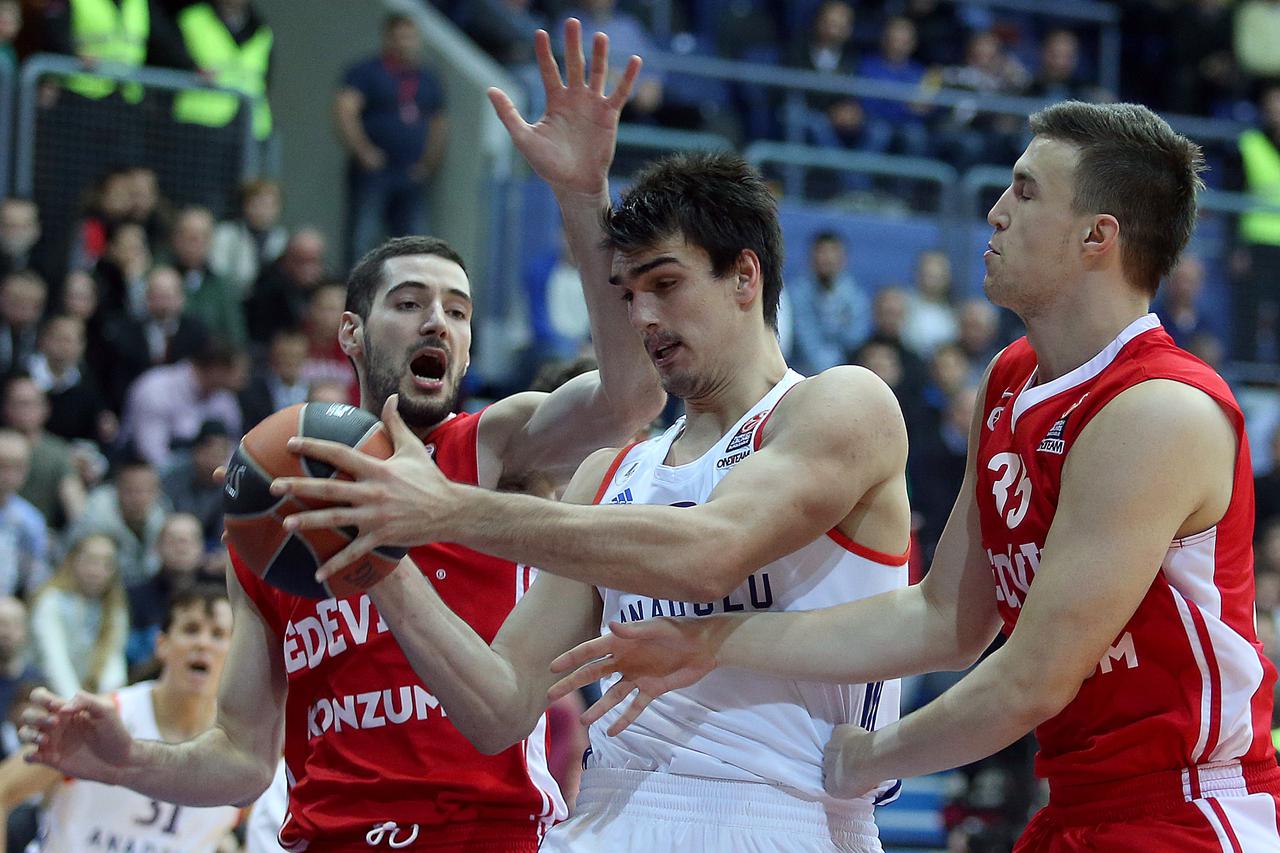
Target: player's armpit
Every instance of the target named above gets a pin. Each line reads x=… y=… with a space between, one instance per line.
x=1155 y=464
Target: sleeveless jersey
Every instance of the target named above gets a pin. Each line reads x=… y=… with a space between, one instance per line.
x=368 y=748
x=1185 y=682
x=733 y=724
x=83 y=816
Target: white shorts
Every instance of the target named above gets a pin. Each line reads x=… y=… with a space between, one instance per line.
x=636 y=810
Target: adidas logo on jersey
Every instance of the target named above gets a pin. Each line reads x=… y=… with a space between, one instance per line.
x=622 y=497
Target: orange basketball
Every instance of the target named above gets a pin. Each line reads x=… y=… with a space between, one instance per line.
x=253 y=515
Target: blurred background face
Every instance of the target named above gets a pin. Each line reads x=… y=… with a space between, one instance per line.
x=899 y=40
x=10 y=20
x=128 y=247
x=166 y=298
x=19 y=226
x=834 y=24
x=63 y=341
x=116 y=199
x=181 y=544
x=137 y=488
x=15 y=463
x=79 y=294
x=933 y=275
x=21 y=301
x=403 y=43
x=192 y=235
x=213 y=451
x=262 y=208
x=13 y=627
x=94 y=566
x=303 y=259
x=828 y=258
x=288 y=356
x=25 y=406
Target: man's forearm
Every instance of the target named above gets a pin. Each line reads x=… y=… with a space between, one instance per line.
x=627 y=376
x=649 y=550
x=209 y=770
x=886 y=636
x=477 y=687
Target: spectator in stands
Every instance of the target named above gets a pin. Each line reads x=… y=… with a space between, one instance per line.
x=121 y=272
x=503 y=28
x=978 y=333
x=279 y=298
x=53 y=485
x=1178 y=301
x=281 y=383
x=180 y=561
x=10 y=25
x=1058 y=77
x=390 y=115
x=557 y=312
x=833 y=313
x=130 y=511
x=930 y=320
x=968 y=136
x=949 y=373
x=832 y=120
x=1201 y=62
x=189 y=483
x=111 y=202
x=230 y=44
x=78 y=298
x=15 y=662
x=167 y=404
x=209 y=297
x=20 y=246
x=325 y=359
x=244 y=245
x=1256 y=291
x=147 y=206
x=893 y=125
x=937 y=26
x=24 y=539
x=936 y=464
x=79 y=621
x=22 y=299
x=628 y=35
x=166 y=334
x=1257 y=32
x=888 y=323
x=1266 y=488
x=77 y=403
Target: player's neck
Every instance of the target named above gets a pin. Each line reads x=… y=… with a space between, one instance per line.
x=179 y=715
x=747 y=379
x=1069 y=335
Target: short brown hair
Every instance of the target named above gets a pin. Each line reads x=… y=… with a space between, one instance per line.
x=1134 y=167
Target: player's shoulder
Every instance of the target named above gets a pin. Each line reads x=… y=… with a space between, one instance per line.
x=594 y=474
x=846 y=402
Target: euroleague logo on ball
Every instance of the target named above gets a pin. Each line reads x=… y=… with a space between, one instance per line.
x=234 y=475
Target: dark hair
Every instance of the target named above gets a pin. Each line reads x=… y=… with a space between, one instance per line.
x=396 y=19
x=216 y=352
x=826 y=236
x=203 y=593
x=716 y=202
x=1134 y=167
x=366 y=277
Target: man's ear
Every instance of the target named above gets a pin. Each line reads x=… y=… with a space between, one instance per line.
x=748 y=280
x=351 y=334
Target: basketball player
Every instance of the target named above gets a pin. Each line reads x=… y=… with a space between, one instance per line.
x=81 y=815
x=372 y=759
x=774 y=492
x=1109 y=495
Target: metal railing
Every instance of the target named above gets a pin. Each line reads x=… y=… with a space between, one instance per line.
x=7 y=85
x=45 y=65
x=861 y=162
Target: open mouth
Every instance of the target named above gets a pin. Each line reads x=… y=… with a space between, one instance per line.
x=662 y=352
x=429 y=365
x=199 y=666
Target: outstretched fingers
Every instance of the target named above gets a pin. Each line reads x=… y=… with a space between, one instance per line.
x=599 y=63
x=547 y=67
x=357 y=548
x=583 y=653
x=622 y=92
x=574 y=62
x=629 y=714
x=580 y=678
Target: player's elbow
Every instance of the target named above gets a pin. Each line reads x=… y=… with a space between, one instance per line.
x=497 y=736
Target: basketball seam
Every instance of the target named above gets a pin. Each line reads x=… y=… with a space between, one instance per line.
x=247 y=456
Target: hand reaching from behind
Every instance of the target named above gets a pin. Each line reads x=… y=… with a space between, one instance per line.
x=653 y=657
x=571 y=146
x=82 y=737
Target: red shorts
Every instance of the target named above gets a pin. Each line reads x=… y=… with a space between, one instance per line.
x=476 y=837
x=1218 y=808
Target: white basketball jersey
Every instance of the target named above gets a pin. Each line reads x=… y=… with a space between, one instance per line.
x=735 y=724
x=85 y=816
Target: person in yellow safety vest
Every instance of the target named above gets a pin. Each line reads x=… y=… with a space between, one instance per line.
x=228 y=42
x=111 y=31
x=1257 y=264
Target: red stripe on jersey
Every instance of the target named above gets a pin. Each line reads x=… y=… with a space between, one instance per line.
x=759 y=436
x=1226 y=825
x=1215 y=683
x=613 y=469
x=862 y=551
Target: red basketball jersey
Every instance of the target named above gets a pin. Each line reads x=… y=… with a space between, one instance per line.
x=368 y=748
x=1185 y=682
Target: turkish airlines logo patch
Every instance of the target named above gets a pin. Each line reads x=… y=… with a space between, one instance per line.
x=1053 y=441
